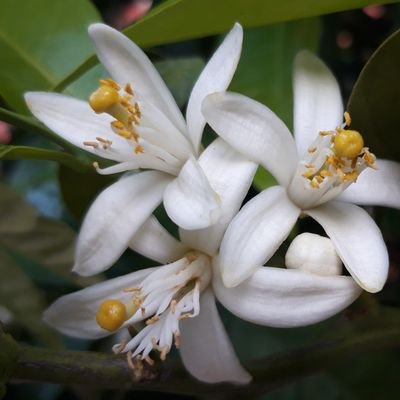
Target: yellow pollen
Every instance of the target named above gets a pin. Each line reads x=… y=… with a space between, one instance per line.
x=347 y=118
x=325 y=133
x=351 y=176
x=324 y=173
x=128 y=89
x=109 y=82
x=117 y=124
x=103 y=98
x=348 y=143
x=111 y=314
x=308 y=173
x=314 y=183
x=312 y=149
x=139 y=149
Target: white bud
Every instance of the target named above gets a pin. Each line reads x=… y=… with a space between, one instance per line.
x=315 y=254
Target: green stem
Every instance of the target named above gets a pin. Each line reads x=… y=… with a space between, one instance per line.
x=369 y=334
x=30 y=124
x=33 y=153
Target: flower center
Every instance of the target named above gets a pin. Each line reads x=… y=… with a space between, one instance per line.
x=120 y=104
x=333 y=161
x=165 y=297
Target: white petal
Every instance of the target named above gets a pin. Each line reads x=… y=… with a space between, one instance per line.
x=158 y=129
x=127 y=63
x=75 y=313
x=189 y=199
x=317 y=101
x=379 y=187
x=215 y=77
x=206 y=350
x=114 y=217
x=76 y=122
x=287 y=298
x=256 y=233
x=358 y=242
x=253 y=130
x=230 y=175
x=155 y=242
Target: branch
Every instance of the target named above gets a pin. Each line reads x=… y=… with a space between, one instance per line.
x=368 y=334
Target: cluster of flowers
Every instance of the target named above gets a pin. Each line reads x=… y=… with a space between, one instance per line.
x=321 y=170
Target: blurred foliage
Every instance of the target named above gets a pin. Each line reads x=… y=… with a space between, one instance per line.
x=374 y=103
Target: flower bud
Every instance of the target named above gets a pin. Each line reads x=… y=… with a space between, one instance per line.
x=315 y=254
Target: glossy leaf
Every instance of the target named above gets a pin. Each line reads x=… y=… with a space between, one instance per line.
x=41 y=41
x=265 y=70
x=375 y=101
x=176 y=20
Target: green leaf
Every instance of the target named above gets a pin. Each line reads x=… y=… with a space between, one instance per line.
x=375 y=101
x=265 y=69
x=35 y=153
x=180 y=74
x=80 y=188
x=41 y=41
x=45 y=241
x=24 y=300
x=176 y=20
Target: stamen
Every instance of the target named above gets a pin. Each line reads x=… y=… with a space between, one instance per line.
x=92 y=144
x=347 y=118
x=149 y=360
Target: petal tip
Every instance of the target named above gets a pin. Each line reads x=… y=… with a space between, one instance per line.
x=98 y=27
x=229 y=280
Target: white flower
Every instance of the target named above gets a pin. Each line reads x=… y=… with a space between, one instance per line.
x=177 y=300
x=320 y=174
x=134 y=120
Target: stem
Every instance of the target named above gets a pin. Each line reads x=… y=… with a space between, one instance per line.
x=106 y=371
x=33 y=153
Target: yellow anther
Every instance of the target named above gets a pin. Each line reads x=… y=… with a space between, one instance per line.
x=139 y=149
x=128 y=89
x=348 y=143
x=117 y=124
x=351 y=176
x=314 y=184
x=111 y=314
x=324 y=173
x=312 y=149
x=308 y=173
x=347 y=118
x=109 y=82
x=103 y=98
x=369 y=158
